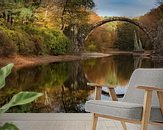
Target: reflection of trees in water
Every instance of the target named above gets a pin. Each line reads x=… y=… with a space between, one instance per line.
x=73 y=100
x=64 y=84
x=114 y=70
x=124 y=68
x=97 y=69
x=76 y=77
x=141 y=62
x=45 y=79
x=138 y=62
x=158 y=63
x=49 y=80
x=36 y=78
x=74 y=89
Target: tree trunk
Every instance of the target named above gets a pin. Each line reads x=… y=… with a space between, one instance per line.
x=63 y=13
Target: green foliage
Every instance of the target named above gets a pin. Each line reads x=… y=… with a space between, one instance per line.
x=31 y=40
x=74 y=15
x=21 y=36
x=92 y=46
x=38 y=46
x=22 y=41
x=80 y=3
x=20 y=99
x=53 y=40
x=25 y=12
x=4 y=72
x=58 y=45
x=8 y=126
x=7 y=47
x=125 y=36
x=29 y=35
x=18 y=11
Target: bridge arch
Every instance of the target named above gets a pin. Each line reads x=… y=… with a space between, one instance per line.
x=123 y=19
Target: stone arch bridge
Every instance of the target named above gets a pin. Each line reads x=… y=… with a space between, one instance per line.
x=112 y=19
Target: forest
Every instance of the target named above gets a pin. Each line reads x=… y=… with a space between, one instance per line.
x=37 y=27
x=56 y=27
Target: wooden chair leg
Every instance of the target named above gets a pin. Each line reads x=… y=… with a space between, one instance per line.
x=124 y=125
x=114 y=98
x=94 y=122
x=160 y=98
x=146 y=110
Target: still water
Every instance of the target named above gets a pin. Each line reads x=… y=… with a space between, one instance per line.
x=64 y=85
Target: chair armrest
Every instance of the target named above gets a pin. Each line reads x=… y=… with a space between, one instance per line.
x=98 y=89
x=147 y=88
x=148 y=96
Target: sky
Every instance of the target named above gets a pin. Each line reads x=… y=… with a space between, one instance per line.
x=130 y=8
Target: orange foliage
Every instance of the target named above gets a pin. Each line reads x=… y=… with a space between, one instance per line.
x=93 y=17
x=103 y=37
x=151 y=18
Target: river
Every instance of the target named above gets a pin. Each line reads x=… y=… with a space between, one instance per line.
x=64 y=85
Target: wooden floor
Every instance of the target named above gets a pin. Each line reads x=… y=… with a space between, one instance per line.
x=58 y=121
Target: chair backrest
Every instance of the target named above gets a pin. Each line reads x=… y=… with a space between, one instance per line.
x=144 y=77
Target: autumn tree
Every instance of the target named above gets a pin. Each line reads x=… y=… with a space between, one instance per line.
x=74 y=19
x=103 y=37
x=153 y=21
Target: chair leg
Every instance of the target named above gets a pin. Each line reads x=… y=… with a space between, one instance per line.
x=124 y=125
x=144 y=126
x=146 y=110
x=94 y=122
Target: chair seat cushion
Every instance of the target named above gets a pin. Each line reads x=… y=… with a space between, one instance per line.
x=131 y=111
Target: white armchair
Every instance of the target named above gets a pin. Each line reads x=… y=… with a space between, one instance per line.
x=138 y=107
